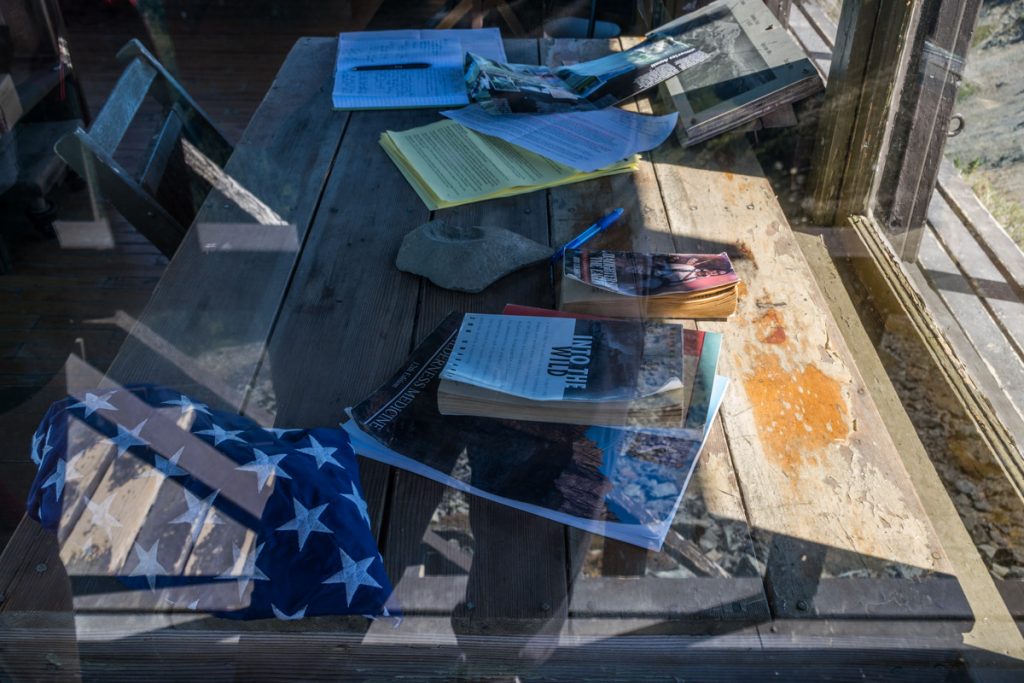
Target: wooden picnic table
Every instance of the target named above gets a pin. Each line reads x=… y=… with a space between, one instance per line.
x=800 y=522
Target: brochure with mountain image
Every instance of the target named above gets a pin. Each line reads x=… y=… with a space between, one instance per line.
x=622 y=483
x=596 y=84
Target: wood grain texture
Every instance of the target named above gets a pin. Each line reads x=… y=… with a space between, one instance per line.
x=216 y=305
x=516 y=579
x=825 y=490
x=712 y=503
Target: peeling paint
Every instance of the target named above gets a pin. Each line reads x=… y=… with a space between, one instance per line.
x=799 y=414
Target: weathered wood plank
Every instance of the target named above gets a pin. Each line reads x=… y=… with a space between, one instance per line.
x=998 y=358
x=506 y=588
x=851 y=133
x=229 y=318
x=998 y=245
x=712 y=508
x=222 y=325
x=825 y=490
x=1001 y=300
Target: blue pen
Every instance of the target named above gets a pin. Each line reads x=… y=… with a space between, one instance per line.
x=585 y=236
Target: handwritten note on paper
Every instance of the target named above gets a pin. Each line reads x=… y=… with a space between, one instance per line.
x=407 y=69
x=393 y=74
x=584 y=140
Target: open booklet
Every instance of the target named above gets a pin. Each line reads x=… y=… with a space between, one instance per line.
x=448 y=165
x=618 y=482
x=506 y=88
x=408 y=68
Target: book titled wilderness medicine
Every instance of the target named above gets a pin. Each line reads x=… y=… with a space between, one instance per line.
x=621 y=284
x=622 y=483
x=567 y=370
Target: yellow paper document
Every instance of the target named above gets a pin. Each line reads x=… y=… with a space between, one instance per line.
x=448 y=165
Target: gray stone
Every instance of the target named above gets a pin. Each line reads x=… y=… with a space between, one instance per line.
x=466 y=259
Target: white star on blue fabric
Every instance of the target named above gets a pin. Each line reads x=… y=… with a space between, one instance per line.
x=321 y=453
x=249 y=571
x=358 y=502
x=220 y=434
x=306 y=522
x=294 y=616
x=148 y=565
x=57 y=478
x=186 y=404
x=101 y=516
x=264 y=466
x=36 y=453
x=166 y=467
x=353 y=575
x=92 y=403
x=126 y=438
x=196 y=515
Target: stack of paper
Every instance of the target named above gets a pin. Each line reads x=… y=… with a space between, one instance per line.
x=407 y=69
x=624 y=483
x=449 y=165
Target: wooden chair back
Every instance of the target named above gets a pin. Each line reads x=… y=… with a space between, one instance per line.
x=163 y=196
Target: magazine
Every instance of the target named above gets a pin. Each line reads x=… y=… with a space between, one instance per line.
x=754 y=68
x=599 y=83
x=634 y=274
x=622 y=483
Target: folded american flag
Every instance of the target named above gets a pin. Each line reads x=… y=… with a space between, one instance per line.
x=194 y=508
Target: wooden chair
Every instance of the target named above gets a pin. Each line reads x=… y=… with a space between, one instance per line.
x=162 y=199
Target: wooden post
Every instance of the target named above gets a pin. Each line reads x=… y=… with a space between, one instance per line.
x=866 y=65
x=911 y=164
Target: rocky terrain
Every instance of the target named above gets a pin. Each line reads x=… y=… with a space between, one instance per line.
x=990 y=151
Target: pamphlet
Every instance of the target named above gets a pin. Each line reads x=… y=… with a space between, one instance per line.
x=652 y=275
x=621 y=483
x=448 y=165
x=584 y=140
x=507 y=88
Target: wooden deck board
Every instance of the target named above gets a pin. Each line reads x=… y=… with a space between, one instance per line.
x=825 y=491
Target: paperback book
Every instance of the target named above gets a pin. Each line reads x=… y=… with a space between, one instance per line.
x=621 y=284
x=618 y=482
x=578 y=371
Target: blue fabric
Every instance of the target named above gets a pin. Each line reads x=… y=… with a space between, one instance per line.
x=314 y=552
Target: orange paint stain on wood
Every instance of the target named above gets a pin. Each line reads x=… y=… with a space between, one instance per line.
x=798 y=414
x=770 y=328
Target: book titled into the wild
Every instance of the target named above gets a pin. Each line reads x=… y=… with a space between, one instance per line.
x=607 y=372
x=622 y=284
x=625 y=483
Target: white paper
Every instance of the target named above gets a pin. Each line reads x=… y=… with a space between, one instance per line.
x=441 y=85
x=650 y=536
x=479 y=41
x=500 y=352
x=584 y=140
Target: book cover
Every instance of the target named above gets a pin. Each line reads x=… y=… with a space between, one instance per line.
x=622 y=483
x=567 y=359
x=651 y=275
